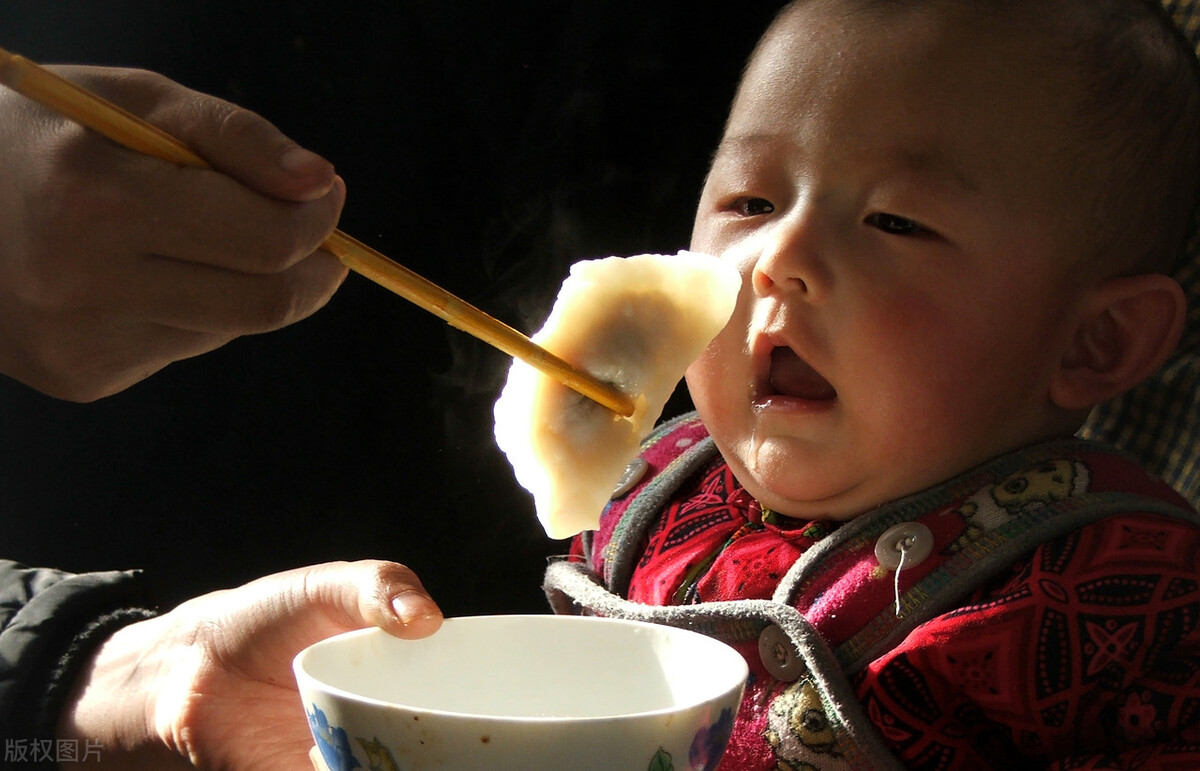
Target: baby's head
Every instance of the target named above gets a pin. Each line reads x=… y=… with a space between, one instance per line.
x=952 y=218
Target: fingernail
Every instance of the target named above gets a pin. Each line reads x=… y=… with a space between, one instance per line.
x=297 y=161
x=413 y=607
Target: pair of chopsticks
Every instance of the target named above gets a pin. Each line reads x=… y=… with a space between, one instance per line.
x=89 y=110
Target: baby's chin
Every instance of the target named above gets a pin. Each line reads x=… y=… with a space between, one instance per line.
x=834 y=508
x=813 y=499
x=798 y=483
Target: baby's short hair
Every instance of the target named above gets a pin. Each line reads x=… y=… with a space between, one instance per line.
x=1140 y=119
x=1138 y=111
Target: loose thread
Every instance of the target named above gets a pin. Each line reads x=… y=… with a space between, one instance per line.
x=903 y=546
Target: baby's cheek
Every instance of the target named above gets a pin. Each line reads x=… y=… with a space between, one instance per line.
x=703 y=376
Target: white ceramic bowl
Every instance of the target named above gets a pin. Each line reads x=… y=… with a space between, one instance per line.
x=522 y=692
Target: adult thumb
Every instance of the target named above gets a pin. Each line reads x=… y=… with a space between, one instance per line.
x=372 y=593
x=247 y=147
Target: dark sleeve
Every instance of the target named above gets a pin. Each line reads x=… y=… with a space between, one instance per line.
x=50 y=623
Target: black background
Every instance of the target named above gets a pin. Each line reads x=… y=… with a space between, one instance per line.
x=486 y=146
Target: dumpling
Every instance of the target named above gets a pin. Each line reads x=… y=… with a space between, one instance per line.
x=635 y=322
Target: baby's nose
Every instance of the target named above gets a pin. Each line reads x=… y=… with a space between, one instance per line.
x=793 y=259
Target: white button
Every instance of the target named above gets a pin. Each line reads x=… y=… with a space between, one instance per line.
x=633 y=474
x=910 y=541
x=779 y=655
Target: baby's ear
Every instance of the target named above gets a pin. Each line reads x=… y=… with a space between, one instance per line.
x=1129 y=326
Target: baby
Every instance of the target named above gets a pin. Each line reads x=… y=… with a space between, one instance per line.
x=953 y=221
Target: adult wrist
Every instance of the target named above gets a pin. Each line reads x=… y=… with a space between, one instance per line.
x=106 y=707
x=50 y=623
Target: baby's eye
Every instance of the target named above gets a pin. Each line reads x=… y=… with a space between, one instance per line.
x=753 y=207
x=895 y=225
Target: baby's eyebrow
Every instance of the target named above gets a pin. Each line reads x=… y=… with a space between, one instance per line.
x=738 y=143
x=932 y=163
x=739 y=149
x=908 y=158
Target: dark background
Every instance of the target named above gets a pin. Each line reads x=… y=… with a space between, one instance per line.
x=486 y=146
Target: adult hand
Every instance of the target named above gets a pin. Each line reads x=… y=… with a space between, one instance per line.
x=114 y=264
x=210 y=684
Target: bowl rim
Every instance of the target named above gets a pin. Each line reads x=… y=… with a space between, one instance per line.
x=736 y=683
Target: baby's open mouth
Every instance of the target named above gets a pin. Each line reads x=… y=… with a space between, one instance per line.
x=792 y=376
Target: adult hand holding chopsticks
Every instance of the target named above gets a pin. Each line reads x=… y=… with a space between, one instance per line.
x=114 y=264
x=128 y=130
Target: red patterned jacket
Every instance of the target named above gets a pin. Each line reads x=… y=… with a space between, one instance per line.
x=1041 y=611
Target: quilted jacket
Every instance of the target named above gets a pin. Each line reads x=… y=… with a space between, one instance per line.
x=50 y=622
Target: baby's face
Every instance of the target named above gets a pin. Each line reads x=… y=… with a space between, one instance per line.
x=891 y=186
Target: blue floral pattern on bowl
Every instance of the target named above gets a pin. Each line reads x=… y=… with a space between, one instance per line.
x=709 y=744
x=333 y=742
x=706 y=750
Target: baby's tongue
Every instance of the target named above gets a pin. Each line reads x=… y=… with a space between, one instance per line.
x=791 y=376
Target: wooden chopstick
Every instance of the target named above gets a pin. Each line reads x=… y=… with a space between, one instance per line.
x=124 y=128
